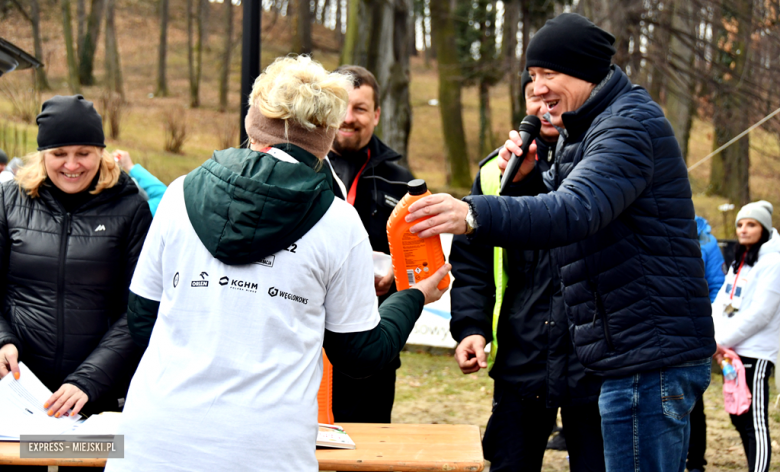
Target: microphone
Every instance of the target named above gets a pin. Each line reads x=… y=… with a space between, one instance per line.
x=529 y=130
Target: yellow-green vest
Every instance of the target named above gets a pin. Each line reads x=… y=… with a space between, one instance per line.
x=490 y=181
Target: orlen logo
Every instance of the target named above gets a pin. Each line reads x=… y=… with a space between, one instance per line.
x=273 y=291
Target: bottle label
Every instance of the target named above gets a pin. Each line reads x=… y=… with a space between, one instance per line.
x=415 y=258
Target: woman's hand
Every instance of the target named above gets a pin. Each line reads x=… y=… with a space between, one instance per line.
x=9 y=357
x=123 y=158
x=66 y=398
x=429 y=286
x=719 y=354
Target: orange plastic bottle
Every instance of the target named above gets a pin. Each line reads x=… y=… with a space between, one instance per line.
x=414 y=259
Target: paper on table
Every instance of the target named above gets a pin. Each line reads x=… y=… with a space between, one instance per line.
x=104 y=424
x=22 y=409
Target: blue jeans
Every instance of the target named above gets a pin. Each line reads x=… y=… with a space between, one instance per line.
x=644 y=417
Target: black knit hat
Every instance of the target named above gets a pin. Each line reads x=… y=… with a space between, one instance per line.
x=3 y=157
x=69 y=121
x=525 y=79
x=573 y=45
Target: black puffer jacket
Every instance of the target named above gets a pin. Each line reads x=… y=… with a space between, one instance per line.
x=535 y=356
x=65 y=285
x=622 y=216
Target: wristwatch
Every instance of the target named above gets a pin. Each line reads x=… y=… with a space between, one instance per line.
x=471 y=221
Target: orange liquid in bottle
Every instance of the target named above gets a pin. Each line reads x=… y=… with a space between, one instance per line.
x=414 y=259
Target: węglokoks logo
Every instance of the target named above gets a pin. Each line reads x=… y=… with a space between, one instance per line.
x=275 y=292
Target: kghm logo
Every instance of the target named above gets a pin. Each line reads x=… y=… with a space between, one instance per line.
x=243 y=285
x=275 y=292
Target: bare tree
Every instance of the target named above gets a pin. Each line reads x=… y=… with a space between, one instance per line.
x=301 y=19
x=730 y=172
x=162 y=81
x=113 y=68
x=67 y=28
x=34 y=17
x=224 y=77
x=195 y=50
x=450 y=106
x=81 y=21
x=679 y=84
x=511 y=61
x=89 y=46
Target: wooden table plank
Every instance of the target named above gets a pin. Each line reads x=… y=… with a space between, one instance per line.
x=380 y=447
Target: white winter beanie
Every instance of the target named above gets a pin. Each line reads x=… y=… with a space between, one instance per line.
x=760 y=211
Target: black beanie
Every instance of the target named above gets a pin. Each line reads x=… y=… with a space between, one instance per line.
x=573 y=45
x=525 y=79
x=69 y=121
x=3 y=157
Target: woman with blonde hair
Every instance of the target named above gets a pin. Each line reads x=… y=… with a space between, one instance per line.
x=71 y=230
x=250 y=267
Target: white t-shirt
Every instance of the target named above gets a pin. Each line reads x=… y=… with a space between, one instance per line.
x=230 y=378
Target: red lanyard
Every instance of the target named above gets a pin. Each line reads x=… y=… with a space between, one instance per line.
x=353 y=188
x=734 y=287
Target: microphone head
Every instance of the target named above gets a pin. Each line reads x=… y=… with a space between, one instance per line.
x=531 y=124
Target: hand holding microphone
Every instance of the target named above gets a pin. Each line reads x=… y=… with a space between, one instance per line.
x=519 y=152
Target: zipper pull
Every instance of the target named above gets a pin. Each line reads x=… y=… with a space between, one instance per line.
x=67 y=216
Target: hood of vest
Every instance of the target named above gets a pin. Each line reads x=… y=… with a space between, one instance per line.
x=245 y=205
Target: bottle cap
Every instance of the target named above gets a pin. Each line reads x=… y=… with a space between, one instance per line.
x=417 y=187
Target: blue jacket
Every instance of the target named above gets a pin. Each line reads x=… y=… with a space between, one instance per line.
x=713 y=258
x=621 y=217
x=150 y=184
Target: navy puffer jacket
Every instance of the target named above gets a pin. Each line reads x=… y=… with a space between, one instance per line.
x=622 y=217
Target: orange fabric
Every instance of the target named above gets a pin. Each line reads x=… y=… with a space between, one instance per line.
x=325 y=395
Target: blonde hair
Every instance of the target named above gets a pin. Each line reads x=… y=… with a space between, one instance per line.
x=33 y=174
x=300 y=89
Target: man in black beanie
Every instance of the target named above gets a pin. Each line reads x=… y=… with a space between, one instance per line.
x=620 y=215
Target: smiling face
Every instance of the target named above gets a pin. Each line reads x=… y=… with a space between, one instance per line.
x=72 y=168
x=534 y=106
x=358 y=126
x=748 y=232
x=560 y=93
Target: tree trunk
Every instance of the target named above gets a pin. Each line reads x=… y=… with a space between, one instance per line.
x=518 y=101
x=34 y=17
x=729 y=175
x=392 y=72
x=113 y=67
x=81 y=20
x=450 y=108
x=301 y=26
x=679 y=86
x=87 y=50
x=512 y=62
x=224 y=77
x=659 y=55
x=195 y=51
x=358 y=37
x=67 y=28
x=162 y=82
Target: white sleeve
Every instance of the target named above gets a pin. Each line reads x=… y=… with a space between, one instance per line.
x=147 y=278
x=763 y=306
x=351 y=303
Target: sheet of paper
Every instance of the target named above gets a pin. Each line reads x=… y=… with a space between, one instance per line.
x=104 y=424
x=22 y=410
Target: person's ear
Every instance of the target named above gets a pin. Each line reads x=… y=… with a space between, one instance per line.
x=377 y=113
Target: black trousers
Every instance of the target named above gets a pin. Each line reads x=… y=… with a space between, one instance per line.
x=698 y=442
x=368 y=400
x=517 y=433
x=753 y=425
